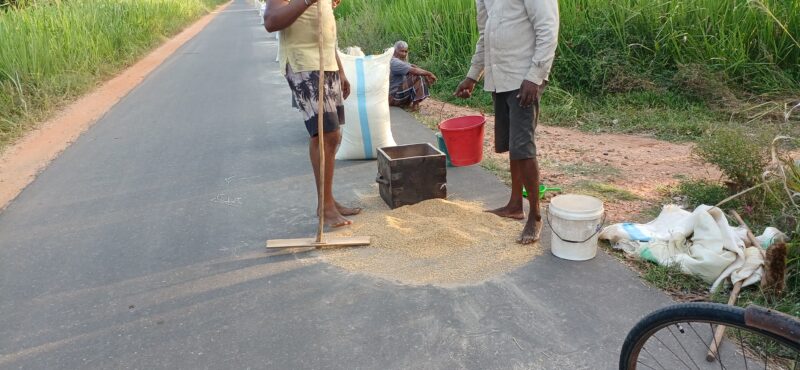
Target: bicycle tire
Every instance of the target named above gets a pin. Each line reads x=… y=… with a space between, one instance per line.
x=711 y=313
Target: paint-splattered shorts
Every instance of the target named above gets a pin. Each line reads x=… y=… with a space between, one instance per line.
x=305 y=97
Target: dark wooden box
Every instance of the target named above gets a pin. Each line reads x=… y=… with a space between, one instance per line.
x=408 y=174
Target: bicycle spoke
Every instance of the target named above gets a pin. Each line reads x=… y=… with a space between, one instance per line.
x=654 y=358
x=741 y=348
x=642 y=363
x=649 y=348
x=717 y=345
x=702 y=340
x=670 y=351
x=684 y=350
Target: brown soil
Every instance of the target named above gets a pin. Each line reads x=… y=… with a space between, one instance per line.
x=21 y=162
x=437 y=242
x=570 y=159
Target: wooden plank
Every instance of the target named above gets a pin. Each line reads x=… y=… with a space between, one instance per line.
x=349 y=241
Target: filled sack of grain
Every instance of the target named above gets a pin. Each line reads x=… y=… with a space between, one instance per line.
x=368 y=125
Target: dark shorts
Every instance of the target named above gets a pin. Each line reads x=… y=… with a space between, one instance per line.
x=514 y=126
x=305 y=97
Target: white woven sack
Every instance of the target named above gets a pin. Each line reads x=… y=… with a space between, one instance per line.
x=368 y=125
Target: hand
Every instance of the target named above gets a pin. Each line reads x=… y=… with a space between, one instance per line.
x=431 y=78
x=335 y=3
x=345 y=86
x=529 y=93
x=465 y=88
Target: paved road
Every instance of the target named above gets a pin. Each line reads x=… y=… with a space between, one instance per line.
x=142 y=246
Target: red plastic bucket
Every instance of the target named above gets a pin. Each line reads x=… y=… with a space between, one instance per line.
x=464 y=139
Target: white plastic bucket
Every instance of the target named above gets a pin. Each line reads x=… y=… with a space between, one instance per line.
x=575 y=221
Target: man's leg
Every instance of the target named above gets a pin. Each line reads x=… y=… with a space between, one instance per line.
x=420 y=91
x=331 y=140
x=345 y=211
x=522 y=151
x=529 y=172
x=513 y=209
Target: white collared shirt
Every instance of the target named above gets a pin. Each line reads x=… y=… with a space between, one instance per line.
x=517 y=42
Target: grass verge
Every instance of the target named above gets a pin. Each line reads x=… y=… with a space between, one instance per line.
x=671 y=69
x=55 y=51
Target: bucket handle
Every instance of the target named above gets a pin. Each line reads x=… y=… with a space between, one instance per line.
x=442 y=115
x=597 y=230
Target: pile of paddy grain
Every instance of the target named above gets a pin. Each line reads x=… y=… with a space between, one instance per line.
x=436 y=242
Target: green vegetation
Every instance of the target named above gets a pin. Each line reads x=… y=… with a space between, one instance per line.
x=596 y=170
x=670 y=68
x=671 y=279
x=606 y=192
x=53 y=51
x=765 y=196
x=498 y=167
x=667 y=278
x=766 y=205
x=740 y=155
x=699 y=192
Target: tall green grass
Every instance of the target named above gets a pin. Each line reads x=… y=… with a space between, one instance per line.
x=754 y=43
x=690 y=53
x=51 y=51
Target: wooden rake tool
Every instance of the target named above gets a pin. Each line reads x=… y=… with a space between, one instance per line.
x=320 y=241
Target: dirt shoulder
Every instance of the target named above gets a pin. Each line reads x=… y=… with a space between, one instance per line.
x=627 y=171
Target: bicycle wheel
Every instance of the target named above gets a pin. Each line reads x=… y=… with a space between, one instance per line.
x=681 y=336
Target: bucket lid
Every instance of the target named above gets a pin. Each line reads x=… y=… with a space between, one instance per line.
x=576 y=207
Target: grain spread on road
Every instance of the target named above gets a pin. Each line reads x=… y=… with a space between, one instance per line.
x=436 y=242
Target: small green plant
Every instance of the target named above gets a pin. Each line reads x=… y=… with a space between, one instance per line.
x=672 y=279
x=739 y=155
x=699 y=192
x=604 y=191
x=668 y=278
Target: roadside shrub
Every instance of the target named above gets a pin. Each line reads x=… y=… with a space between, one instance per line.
x=740 y=156
x=699 y=192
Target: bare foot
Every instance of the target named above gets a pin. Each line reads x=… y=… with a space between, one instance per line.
x=531 y=233
x=346 y=211
x=335 y=219
x=517 y=214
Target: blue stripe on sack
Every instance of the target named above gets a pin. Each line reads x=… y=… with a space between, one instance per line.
x=361 y=94
x=634 y=232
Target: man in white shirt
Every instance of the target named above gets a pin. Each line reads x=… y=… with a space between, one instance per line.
x=514 y=54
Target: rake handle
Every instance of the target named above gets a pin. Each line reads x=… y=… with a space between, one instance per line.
x=713 y=347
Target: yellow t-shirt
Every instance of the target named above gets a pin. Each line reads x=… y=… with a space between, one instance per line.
x=299 y=44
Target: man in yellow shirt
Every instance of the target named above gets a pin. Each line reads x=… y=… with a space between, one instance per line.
x=515 y=51
x=300 y=62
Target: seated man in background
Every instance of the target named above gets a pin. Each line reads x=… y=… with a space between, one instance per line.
x=409 y=83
